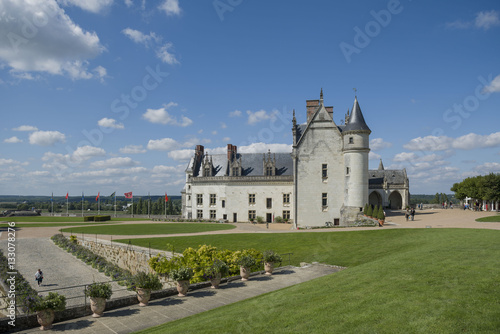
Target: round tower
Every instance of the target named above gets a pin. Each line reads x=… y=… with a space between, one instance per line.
x=356 y=137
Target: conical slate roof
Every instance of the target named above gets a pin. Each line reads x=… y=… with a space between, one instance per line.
x=380 y=165
x=356 y=120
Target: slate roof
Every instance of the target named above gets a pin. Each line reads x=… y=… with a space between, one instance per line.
x=393 y=176
x=252 y=164
x=356 y=120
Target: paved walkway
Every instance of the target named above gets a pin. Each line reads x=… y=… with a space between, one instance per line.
x=60 y=269
x=160 y=311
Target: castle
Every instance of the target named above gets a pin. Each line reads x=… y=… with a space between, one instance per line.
x=324 y=179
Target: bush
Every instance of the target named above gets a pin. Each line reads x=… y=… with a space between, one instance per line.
x=369 y=211
x=217 y=267
x=381 y=215
x=102 y=218
x=278 y=219
x=271 y=256
x=259 y=219
x=146 y=281
x=53 y=301
x=201 y=259
x=99 y=290
x=246 y=261
x=181 y=274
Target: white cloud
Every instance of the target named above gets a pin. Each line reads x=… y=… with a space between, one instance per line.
x=86 y=152
x=466 y=142
x=139 y=37
x=170 y=7
x=114 y=162
x=404 y=156
x=214 y=132
x=181 y=155
x=488 y=167
x=263 y=148
x=38 y=173
x=165 y=56
x=94 y=6
x=56 y=46
x=162 y=169
x=486 y=20
x=161 y=116
x=100 y=73
x=261 y=115
x=132 y=149
x=110 y=123
x=223 y=125
x=25 y=128
x=8 y=162
x=236 y=113
x=108 y=172
x=46 y=138
x=494 y=86
x=483 y=20
x=164 y=144
x=12 y=140
x=128 y=3
x=226 y=139
x=374 y=156
x=378 y=144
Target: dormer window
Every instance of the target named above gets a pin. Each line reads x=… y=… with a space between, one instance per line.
x=269 y=164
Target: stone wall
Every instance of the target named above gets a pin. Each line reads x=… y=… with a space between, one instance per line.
x=123 y=256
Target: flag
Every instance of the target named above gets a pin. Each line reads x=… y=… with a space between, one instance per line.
x=52 y=197
x=97 y=198
x=113 y=194
x=166 y=198
x=128 y=195
x=67 y=194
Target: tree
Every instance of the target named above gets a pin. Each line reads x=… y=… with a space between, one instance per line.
x=436 y=200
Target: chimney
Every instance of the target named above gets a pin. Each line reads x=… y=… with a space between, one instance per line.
x=231 y=152
x=199 y=150
x=311 y=106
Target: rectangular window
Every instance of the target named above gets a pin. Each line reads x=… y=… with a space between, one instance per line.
x=269 y=171
x=199 y=199
x=324 y=171
x=324 y=200
x=351 y=140
x=286 y=215
x=236 y=171
x=213 y=199
x=251 y=215
x=251 y=199
x=286 y=199
x=199 y=214
x=223 y=203
x=213 y=214
x=269 y=203
x=347 y=170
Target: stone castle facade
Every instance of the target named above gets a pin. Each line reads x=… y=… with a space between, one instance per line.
x=324 y=179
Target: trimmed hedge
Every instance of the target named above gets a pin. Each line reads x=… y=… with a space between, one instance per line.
x=97 y=218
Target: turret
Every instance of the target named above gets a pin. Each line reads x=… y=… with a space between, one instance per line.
x=356 y=136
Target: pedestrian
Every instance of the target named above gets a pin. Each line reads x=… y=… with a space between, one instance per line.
x=267 y=225
x=39 y=277
x=407 y=214
x=412 y=213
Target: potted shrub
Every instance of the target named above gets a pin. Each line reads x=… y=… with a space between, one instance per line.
x=98 y=293
x=270 y=257
x=381 y=217
x=259 y=219
x=369 y=211
x=246 y=262
x=45 y=307
x=278 y=219
x=182 y=275
x=144 y=284
x=215 y=272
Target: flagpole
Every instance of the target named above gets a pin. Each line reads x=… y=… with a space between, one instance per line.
x=149 y=202
x=67 y=199
x=115 y=204
x=82 y=203
x=98 y=204
x=132 y=205
x=52 y=203
x=165 y=201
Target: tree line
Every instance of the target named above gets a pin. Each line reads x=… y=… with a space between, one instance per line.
x=482 y=187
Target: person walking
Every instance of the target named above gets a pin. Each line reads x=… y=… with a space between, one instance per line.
x=412 y=213
x=39 y=277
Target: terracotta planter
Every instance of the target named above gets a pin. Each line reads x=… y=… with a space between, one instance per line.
x=269 y=267
x=216 y=281
x=97 y=305
x=245 y=273
x=45 y=318
x=182 y=288
x=143 y=295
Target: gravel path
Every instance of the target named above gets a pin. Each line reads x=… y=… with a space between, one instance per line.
x=60 y=269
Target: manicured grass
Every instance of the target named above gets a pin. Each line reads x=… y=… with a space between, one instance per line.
x=489 y=219
x=50 y=219
x=158 y=228
x=55 y=224
x=398 y=281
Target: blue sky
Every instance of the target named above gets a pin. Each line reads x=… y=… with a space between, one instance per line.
x=113 y=95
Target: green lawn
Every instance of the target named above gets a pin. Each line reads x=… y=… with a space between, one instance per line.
x=489 y=219
x=50 y=219
x=398 y=281
x=55 y=224
x=157 y=228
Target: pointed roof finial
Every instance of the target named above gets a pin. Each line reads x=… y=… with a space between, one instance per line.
x=381 y=165
x=321 y=96
x=355 y=92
